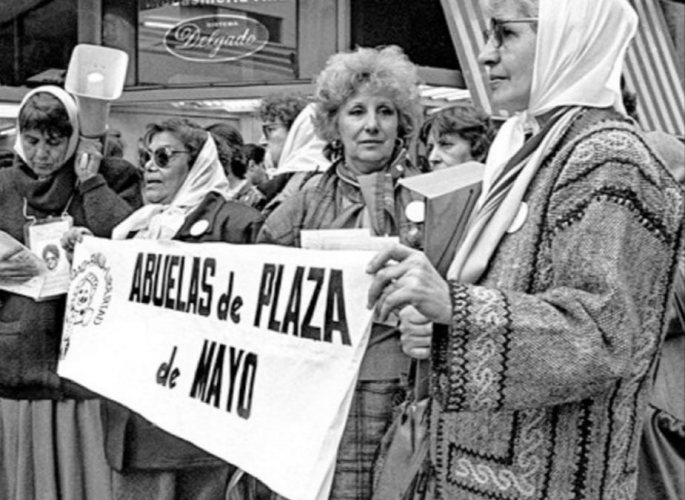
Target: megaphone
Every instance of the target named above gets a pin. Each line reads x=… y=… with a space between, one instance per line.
x=95 y=77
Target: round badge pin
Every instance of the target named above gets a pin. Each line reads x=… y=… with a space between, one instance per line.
x=416 y=211
x=199 y=228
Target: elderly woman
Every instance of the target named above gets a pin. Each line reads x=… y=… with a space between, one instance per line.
x=554 y=304
x=185 y=189
x=456 y=134
x=50 y=436
x=367 y=108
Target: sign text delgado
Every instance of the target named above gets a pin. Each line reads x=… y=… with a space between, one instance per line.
x=216 y=38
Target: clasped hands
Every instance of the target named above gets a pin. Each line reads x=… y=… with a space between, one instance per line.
x=405 y=282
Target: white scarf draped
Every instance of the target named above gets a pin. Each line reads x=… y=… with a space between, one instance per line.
x=69 y=104
x=580 y=49
x=303 y=149
x=162 y=222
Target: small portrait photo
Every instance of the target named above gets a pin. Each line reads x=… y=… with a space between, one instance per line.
x=51 y=256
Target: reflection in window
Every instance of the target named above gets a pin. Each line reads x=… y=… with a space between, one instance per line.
x=217 y=41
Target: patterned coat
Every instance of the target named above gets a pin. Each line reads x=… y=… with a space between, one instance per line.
x=541 y=384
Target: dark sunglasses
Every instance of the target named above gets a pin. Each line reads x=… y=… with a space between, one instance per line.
x=497 y=31
x=161 y=156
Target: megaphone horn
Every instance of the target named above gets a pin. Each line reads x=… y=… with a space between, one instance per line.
x=95 y=77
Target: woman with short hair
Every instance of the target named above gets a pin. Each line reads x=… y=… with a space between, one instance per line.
x=50 y=431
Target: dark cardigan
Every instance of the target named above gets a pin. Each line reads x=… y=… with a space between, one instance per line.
x=30 y=331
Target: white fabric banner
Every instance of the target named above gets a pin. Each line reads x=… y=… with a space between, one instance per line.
x=250 y=352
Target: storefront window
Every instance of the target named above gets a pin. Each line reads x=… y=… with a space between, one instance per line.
x=184 y=42
x=35 y=49
x=418 y=27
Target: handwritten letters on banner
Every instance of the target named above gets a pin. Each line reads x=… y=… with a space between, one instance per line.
x=250 y=352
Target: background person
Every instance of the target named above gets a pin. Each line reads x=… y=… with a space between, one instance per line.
x=230 y=147
x=555 y=300
x=456 y=134
x=367 y=109
x=256 y=168
x=50 y=431
x=185 y=188
x=278 y=113
x=302 y=158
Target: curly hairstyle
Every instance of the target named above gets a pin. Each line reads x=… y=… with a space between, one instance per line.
x=387 y=70
x=465 y=120
x=283 y=107
x=45 y=113
x=230 y=146
x=189 y=133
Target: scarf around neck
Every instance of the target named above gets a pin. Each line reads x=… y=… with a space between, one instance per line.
x=580 y=49
x=162 y=221
x=48 y=195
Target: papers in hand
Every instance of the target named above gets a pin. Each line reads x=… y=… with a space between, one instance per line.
x=345 y=239
x=47 y=284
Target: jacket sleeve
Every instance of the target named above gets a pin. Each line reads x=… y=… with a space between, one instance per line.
x=283 y=225
x=601 y=281
x=111 y=196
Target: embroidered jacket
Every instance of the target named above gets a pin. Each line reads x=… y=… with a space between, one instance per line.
x=541 y=383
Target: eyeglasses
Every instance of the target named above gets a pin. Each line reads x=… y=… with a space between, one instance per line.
x=161 y=156
x=497 y=31
x=269 y=128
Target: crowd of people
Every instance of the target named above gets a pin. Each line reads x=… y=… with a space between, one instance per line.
x=543 y=339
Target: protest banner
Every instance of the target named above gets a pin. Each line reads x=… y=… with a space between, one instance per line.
x=250 y=352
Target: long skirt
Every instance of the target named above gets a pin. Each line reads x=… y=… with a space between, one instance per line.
x=52 y=450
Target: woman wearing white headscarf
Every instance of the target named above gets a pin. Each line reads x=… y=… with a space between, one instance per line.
x=554 y=305
x=185 y=189
x=50 y=432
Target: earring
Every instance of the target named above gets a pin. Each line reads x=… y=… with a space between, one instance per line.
x=399 y=143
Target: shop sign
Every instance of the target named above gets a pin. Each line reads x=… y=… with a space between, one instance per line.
x=216 y=38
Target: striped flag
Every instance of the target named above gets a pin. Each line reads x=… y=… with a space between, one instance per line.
x=652 y=74
x=650 y=70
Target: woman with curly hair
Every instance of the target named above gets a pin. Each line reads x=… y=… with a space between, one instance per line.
x=456 y=134
x=366 y=109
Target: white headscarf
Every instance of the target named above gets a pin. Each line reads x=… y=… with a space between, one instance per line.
x=303 y=149
x=580 y=50
x=69 y=105
x=161 y=222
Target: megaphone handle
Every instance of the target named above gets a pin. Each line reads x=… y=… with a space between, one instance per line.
x=88 y=158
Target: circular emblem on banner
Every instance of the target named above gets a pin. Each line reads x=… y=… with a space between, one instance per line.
x=89 y=296
x=216 y=38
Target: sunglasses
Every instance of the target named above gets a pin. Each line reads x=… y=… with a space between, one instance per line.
x=161 y=156
x=497 y=31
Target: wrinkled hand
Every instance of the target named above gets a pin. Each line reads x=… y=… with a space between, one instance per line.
x=88 y=158
x=18 y=270
x=410 y=281
x=417 y=333
x=72 y=237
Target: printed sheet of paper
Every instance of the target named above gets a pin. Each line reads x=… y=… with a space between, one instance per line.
x=248 y=351
x=12 y=250
x=345 y=239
